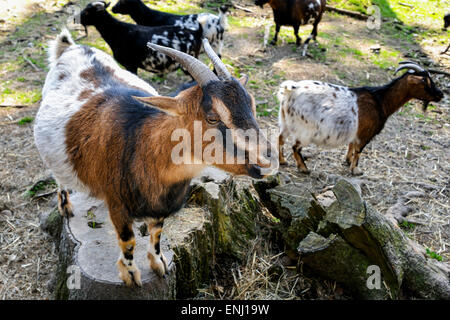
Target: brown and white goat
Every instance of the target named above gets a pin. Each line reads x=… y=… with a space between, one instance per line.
x=296 y=13
x=329 y=115
x=102 y=130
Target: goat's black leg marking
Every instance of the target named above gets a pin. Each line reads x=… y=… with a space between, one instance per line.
x=314 y=30
x=297 y=37
x=158 y=261
x=64 y=205
x=299 y=158
x=313 y=35
x=275 y=38
x=128 y=271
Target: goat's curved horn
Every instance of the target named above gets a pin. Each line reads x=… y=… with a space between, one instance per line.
x=412 y=66
x=222 y=71
x=197 y=69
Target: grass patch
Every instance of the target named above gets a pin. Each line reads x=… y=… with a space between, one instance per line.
x=172 y=6
x=407 y=225
x=40 y=186
x=434 y=255
x=19 y=96
x=387 y=58
x=25 y=120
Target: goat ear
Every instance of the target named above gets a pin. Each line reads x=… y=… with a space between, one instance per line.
x=166 y=104
x=243 y=80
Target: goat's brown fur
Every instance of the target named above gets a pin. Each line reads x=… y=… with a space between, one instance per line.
x=372 y=114
x=295 y=13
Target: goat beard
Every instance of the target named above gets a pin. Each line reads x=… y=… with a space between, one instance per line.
x=425 y=106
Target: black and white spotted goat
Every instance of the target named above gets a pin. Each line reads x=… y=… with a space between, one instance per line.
x=213 y=26
x=330 y=116
x=128 y=42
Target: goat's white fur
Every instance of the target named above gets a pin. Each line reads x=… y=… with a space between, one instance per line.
x=60 y=102
x=319 y=113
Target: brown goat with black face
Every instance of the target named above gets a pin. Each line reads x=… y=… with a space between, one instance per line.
x=103 y=131
x=296 y=13
x=330 y=115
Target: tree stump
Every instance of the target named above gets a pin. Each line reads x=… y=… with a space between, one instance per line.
x=88 y=253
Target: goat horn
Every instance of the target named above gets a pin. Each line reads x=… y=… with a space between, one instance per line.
x=197 y=69
x=412 y=66
x=218 y=64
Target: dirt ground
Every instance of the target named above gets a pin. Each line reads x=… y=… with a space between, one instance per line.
x=410 y=155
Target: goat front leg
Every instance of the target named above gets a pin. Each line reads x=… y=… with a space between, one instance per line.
x=281 y=158
x=354 y=162
x=128 y=271
x=349 y=156
x=158 y=261
x=64 y=205
x=275 y=38
x=299 y=158
x=298 y=41
x=313 y=35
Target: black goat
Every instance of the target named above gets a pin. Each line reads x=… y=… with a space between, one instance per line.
x=296 y=13
x=213 y=26
x=128 y=42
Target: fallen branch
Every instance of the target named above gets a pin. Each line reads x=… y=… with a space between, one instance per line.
x=13 y=106
x=406 y=5
x=350 y=13
x=439 y=72
x=9 y=122
x=31 y=63
x=445 y=51
x=242 y=8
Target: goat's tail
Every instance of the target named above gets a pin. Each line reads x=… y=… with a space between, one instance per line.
x=59 y=45
x=223 y=21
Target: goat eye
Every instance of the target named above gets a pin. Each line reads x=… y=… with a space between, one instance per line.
x=212 y=119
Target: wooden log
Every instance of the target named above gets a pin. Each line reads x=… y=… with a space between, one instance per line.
x=353 y=14
x=340 y=241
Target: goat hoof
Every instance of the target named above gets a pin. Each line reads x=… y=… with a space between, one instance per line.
x=357 y=172
x=304 y=171
x=131 y=276
x=273 y=43
x=159 y=266
x=282 y=162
